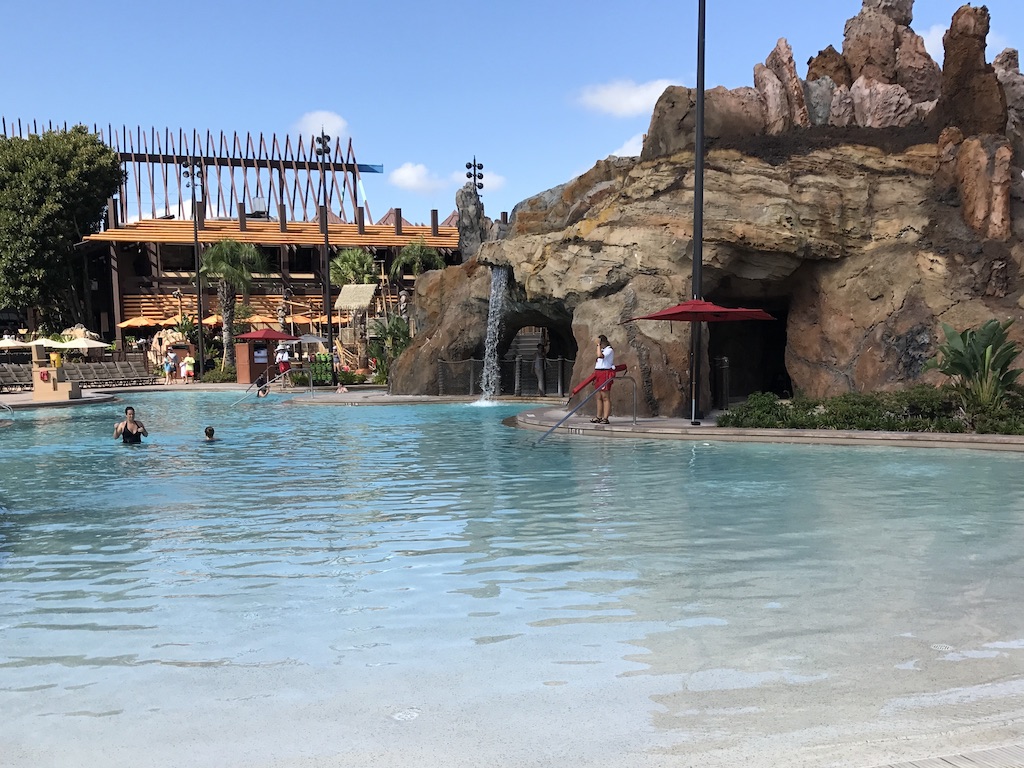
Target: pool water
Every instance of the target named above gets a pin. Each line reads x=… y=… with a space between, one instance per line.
x=421 y=585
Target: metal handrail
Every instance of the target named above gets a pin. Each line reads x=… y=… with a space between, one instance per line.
x=267 y=383
x=587 y=400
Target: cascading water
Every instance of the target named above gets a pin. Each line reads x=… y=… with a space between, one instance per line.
x=490 y=383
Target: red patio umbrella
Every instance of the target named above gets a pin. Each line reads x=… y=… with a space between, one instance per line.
x=267 y=334
x=700 y=311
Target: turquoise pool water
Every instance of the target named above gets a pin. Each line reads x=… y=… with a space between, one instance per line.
x=421 y=585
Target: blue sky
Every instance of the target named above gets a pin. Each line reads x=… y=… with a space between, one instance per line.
x=537 y=91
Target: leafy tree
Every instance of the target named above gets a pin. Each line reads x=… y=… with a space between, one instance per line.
x=232 y=264
x=353 y=266
x=978 y=364
x=53 y=192
x=243 y=312
x=417 y=257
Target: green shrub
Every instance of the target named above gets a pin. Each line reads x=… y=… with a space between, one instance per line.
x=918 y=409
x=348 y=377
x=761 y=409
x=218 y=376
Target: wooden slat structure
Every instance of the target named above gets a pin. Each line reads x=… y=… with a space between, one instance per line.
x=263 y=232
x=163 y=305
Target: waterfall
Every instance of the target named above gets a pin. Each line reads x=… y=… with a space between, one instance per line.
x=490 y=383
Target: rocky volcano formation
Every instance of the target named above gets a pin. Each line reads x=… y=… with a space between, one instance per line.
x=861 y=206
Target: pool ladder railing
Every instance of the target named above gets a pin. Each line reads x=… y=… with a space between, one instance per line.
x=267 y=382
x=586 y=400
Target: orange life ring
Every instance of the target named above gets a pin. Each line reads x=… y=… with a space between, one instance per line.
x=44 y=375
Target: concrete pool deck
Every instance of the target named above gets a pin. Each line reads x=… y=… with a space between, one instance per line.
x=542 y=414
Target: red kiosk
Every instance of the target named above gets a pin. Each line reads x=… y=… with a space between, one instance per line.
x=253 y=356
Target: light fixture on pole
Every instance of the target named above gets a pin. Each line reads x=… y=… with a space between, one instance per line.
x=698 y=220
x=473 y=173
x=193 y=175
x=323 y=150
x=176 y=293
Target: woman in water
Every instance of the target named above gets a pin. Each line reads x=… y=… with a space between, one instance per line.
x=130 y=430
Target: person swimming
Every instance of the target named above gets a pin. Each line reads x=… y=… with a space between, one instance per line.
x=130 y=431
x=209 y=434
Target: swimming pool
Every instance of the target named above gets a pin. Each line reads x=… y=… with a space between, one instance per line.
x=418 y=585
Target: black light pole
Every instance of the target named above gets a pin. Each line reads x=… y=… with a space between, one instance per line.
x=193 y=174
x=473 y=173
x=323 y=150
x=698 y=221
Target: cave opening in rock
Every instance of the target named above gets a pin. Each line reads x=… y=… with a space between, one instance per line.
x=522 y=329
x=752 y=351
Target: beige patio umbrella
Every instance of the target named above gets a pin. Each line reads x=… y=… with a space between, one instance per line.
x=48 y=343
x=80 y=344
x=142 y=321
x=213 y=320
x=13 y=344
x=170 y=322
x=260 y=320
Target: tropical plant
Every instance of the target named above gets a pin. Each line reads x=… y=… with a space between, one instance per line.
x=353 y=266
x=391 y=339
x=53 y=191
x=978 y=365
x=416 y=257
x=188 y=328
x=232 y=264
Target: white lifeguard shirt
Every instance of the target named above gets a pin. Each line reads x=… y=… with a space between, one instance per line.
x=607 y=362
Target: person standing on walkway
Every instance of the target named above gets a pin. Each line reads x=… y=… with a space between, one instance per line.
x=188 y=369
x=170 y=366
x=604 y=373
x=284 y=365
x=539 y=365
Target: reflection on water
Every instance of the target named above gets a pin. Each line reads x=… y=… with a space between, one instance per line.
x=323 y=576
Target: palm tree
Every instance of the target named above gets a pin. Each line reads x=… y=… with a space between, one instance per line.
x=417 y=257
x=353 y=265
x=233 y=265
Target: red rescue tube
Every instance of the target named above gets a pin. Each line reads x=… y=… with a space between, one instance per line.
x=591 y=377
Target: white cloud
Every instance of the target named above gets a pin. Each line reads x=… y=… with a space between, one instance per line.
x=491 y=180
x=933 y=42
x=623 y=98
x=416 y=177
x=996 y=44
x=311 y=123
x=632 y=147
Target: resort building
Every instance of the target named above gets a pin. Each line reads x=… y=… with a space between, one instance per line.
x=299 y=202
